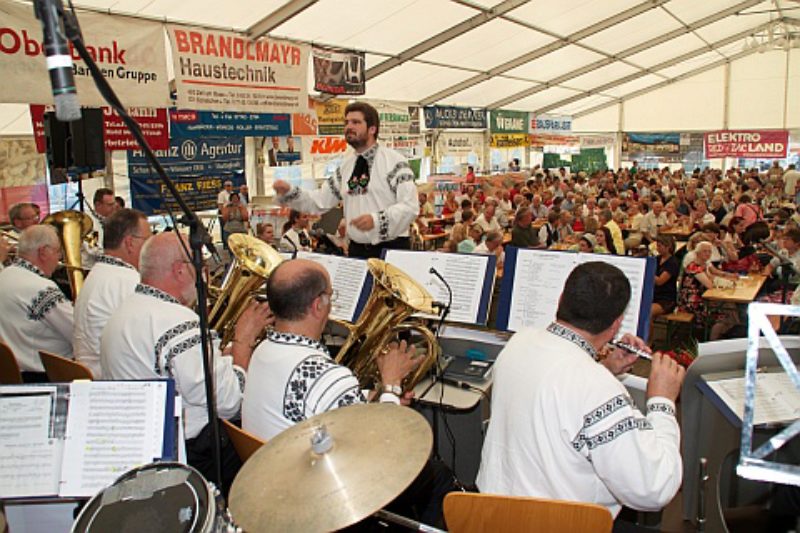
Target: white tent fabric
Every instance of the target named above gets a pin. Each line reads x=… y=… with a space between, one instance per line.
x=670 y=64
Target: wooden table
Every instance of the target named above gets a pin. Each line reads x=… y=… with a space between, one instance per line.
x=432 y=238
x=679 y=232
x=746 y=290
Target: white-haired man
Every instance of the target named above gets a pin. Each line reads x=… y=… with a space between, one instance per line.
x=36 y=314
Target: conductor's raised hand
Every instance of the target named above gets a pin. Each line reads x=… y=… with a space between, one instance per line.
x=281 y=187
x=396 y=361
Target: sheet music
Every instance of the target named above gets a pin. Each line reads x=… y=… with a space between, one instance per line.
x=465 y=273
x=112 y=427
x=30 y=455
x=539 y=279
x=348 y=276
x=776 y=398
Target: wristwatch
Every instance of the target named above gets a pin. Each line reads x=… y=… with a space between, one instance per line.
x=397 y=390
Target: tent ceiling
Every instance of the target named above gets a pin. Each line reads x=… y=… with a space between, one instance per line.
x=561 y=57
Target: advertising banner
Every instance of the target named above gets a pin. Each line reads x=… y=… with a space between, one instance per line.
x=190 y=124
x=454 y=117
x=330 y=117
x=597 y=141
x=326 y=148
x=551 y=124
x=226 y=71
x=198 y=166
x=412 y=147
x=660 y=143
x=304 y=123
x=338 y=71
x=762 y=144
x=129 y=52
x=539 y=140
x=116 y=135
x=283 y=151
x=460 y=144
x=503 y=121
x=395 y=117
x=508 y=140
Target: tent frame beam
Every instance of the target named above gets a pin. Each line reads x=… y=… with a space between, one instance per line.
x=661 y=39
x=279 y=16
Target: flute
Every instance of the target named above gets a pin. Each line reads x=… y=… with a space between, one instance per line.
x=632 y=349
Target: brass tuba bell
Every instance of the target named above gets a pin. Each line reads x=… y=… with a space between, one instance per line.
x=394 y=298
x=254 y=260
x=72 y=227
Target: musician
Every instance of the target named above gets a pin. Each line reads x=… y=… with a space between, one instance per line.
x=292 y=376
x=266 y=232
x=295 y=233
x=563 y=426
x=375 y=186
x=114 y=277
x=36 y=315
x=155 y=333
x=104 y=206
x=23 y=215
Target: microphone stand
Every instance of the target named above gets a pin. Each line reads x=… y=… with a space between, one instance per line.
x=439 y=371
x=198 y=236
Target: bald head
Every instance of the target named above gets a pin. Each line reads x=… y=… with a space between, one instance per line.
x=293 y=286
x=159 y=254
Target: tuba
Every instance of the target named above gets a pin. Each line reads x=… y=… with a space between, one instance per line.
x=394 y=298
x=254 y=260
x=72 y=227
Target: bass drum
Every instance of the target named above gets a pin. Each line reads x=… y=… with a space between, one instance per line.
x=159 y=497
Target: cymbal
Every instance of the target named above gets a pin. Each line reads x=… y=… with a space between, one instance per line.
x=254 y=254
x=401 y=285
x=377 y=451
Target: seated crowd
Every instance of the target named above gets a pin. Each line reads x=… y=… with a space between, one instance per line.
x=135 y=319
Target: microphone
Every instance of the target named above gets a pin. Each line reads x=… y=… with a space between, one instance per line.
x=290 y=241
x=446 y=308
x=59 y=61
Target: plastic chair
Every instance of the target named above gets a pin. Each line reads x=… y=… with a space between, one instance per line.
x=62 y=370
x=484 y=513
x=245 y=444
x=9 y=368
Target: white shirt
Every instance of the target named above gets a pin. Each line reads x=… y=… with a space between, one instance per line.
x=292 y=378
x=223 y=198
x=292 y=239
x=488 y=225
x=790 y=178
x=484 y=250
x=152 y=335
x=390 y=196
x=35 y=315
x=110 y=281
x=563 y=427
x=651 y=223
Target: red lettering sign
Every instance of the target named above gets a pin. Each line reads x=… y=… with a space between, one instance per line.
x=759 y=144
x=154 y=124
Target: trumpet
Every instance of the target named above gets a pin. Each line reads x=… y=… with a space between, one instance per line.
x=11 y=237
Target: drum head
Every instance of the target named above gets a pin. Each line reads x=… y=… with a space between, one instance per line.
x=168 y=497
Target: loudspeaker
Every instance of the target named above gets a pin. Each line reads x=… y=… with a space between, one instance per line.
x=57 y=141
x=88 y=149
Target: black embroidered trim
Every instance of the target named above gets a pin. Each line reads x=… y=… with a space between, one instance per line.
x=290 y=196
x=279 y=337
x=302 y=378
x=241 y=376
x=43 y=302
x=147 y=290
x=607 y=409
x=620 y=428
x=353 y=396
x=565 y=333
x=658 y=407
x=178 y=349
x=396 y=176
x=369 y=154
x=170 y=334
x=27 y=265
x=383 y=226
x=113 y=261
x=333 y=182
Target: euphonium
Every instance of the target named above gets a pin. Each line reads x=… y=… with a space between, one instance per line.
x=394 y=298
x=254 y=260
x=72 y=227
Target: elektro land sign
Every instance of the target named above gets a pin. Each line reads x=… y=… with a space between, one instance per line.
x=763 y=144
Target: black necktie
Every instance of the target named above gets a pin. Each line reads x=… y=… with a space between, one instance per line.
x=360 y=178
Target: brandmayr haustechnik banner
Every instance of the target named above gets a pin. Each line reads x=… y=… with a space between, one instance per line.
x=226 y=71
x=198 y=167
x=129 y=52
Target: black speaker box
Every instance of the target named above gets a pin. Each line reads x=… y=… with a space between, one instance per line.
x=74 y=144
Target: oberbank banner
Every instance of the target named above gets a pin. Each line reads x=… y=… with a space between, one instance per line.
x=226 y=71
x=129 y=52
x=747 y=143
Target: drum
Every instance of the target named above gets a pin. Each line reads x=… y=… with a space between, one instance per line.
x=159 y=497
